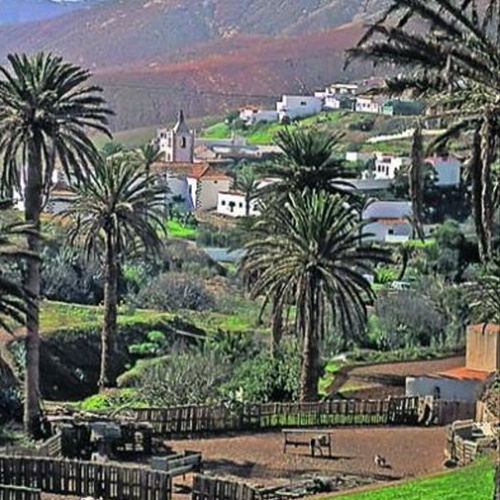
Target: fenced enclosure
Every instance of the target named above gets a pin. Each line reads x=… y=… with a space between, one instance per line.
x=211 y=488
x=65 y=477
x=200 y=419
x=17 y=493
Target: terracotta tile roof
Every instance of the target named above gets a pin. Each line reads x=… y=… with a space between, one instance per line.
x=175 y=166
x=203 y=171
x=465 y=374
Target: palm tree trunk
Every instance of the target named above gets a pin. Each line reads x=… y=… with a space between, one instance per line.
x=309 y=366
x=106 y=378
x=277 y=326
x=33 y=207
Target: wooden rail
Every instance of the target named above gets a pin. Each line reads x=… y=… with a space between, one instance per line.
x=211 y=488
x=193 y=420
x=65 y=477
x=17 y=493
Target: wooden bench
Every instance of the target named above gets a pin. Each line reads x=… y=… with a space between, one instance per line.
x=316 y=439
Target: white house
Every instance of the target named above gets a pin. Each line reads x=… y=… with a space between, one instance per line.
x=387 y=166
x=354 y=156
x=463 y=383
x=370 y=103
x=293 y=106
x=251 y=115
x=388 y=221
x=447 y=169
x=232 y=203
x=204 y=186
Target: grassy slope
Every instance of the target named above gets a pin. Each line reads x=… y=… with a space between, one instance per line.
x=471 y=483
x=56 y=316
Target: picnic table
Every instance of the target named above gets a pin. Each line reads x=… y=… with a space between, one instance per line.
x=315 y=439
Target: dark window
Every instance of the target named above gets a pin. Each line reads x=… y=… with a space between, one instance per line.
x=241 y=204
x=215 y=182
x=390 y=231
x=183 y=142
x=223 y=203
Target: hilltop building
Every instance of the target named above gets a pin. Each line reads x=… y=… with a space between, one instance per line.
x=177 y=144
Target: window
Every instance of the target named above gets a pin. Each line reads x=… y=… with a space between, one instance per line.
x=223 y=203
x=390 y=231
x=215 y=182
x=240 y=204
x=183 y=142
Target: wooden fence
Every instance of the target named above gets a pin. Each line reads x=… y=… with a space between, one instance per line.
x=448 y=412
x=192 y=420
x=17 y=493
x=211 y=488
x=64 y=477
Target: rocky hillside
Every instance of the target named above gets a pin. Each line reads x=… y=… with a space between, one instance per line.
x=154 y=55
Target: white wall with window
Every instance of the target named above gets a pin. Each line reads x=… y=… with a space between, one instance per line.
x=232 y=204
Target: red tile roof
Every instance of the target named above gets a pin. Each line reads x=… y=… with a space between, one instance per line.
x=203 y=171
x=465 y=374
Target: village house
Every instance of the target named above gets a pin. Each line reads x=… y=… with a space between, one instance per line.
x=465 y=383
x=388 y=221
x=292 y=107
x=232 y=203
x=402 y=107
x=251 y=115
x=447 y=168
x=370 y=103
x=387 y=166
x=204 y=185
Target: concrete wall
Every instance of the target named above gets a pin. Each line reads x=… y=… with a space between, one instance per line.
x=398 y=232
x=449 y=389
x=448 y=171
x=298 y=106
x=483 y=349
x=233 y=205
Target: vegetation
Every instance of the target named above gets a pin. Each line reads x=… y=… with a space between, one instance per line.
x=474 y=482
x=116 y=212
x=454 y=66
x=59 y=108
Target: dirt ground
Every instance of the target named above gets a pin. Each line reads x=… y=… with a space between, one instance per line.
x=259 y=460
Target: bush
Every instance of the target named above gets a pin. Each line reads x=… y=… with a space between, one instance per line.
x=263 y=378
x=189 y=377
x=172 y=291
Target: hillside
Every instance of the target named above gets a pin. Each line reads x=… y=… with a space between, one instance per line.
x=206 y=55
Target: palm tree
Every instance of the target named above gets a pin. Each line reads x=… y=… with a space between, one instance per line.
x=246 y=182
x=148 y=154
x=416 y=180
x=15 y=299
x=307 y=161
x=307 y=251
x=485 y=294
x=117 y=210
x=46 y=108
x=453 y=61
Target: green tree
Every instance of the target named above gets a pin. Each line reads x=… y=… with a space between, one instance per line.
x=307 y=250
x=15 y=299
x=485 y=294
x=307 y=160
x=453 y=62
x=46 y=108
x=111 y=148
x=148 y=154
x=117 y=211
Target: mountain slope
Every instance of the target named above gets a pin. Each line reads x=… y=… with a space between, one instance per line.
x=154 y=55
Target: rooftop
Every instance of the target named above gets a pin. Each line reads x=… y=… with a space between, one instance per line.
x=464 y=373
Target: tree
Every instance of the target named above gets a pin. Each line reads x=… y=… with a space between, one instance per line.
x=117 y=211
x=46 y=108
x=416 y=180
x=485 y=294
x=111 y=148
x=148 y=154
x=246 y=182
x=307 y=251
x=452 y=61
x=15 y=299
x=307 y=161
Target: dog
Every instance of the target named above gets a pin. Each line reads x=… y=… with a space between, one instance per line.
x=380 y=461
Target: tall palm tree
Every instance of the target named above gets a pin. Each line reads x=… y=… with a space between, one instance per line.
x=307 y=160
x=307 y=250
x=485 y=294
x=117 y=210
x=450 y=53
x=15 y=299
x=416 y=180
x=46 y=108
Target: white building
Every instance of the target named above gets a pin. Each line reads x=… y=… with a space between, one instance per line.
x=251 y=115
x=177 y=143
x=447 y=170
x=292 y=106
x=355 y=156
x=370 y=104
x=387 y=166
x=204 y=185
x=233 y=204
x=389 y=221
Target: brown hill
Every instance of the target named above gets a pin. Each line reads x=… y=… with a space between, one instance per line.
x=155 y=55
